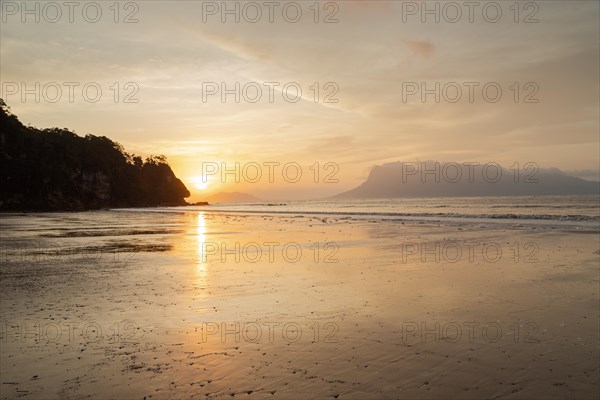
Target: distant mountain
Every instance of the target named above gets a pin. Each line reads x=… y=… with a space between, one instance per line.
x=56 y=170
x=435 y=179
x=232 y=197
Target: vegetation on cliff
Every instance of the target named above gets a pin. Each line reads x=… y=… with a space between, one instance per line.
x=55 y=169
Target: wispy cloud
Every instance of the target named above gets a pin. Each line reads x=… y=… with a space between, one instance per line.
x=420 y=48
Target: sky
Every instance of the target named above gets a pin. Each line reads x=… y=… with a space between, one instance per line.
x=360 y=78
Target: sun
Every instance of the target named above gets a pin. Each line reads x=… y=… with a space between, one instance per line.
x=199 y=183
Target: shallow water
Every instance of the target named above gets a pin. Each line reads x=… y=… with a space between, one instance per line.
x=176 y=302
x=559 y=208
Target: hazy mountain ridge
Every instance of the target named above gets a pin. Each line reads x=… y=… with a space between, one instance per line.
x=400 y=179
x=57 y=170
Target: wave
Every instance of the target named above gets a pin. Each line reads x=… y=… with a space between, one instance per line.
x=573 y=209
x=385 y=214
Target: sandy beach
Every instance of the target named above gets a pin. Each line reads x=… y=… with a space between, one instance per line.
x=164 y=305
x=300 y=200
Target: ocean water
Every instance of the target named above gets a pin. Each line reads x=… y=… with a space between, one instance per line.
x=155 y=228
x=581 y=209
x=158 y=276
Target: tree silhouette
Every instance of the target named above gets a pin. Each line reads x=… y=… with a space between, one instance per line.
x=55 y=169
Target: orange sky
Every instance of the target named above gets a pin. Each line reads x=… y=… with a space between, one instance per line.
x=361 y=112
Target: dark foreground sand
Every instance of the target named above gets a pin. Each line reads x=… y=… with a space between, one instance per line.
x=114 y=304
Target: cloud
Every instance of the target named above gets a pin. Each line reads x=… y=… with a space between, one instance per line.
x=420 y=48
x=368 y=54
x=238 y=46
x=373 y=6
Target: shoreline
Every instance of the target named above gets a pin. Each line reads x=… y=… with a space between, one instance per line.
x=211 y=305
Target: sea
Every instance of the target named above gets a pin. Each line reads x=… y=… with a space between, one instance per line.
x=571 y=209
x=151 y=225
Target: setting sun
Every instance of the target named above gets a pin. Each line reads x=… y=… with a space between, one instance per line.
x=366 y=199
x=199 y=183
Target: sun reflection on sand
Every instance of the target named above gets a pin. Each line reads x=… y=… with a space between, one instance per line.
x=201 y=248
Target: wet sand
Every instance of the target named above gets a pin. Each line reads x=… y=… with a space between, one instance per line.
x=116 y=304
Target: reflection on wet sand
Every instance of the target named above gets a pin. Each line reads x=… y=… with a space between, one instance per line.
x=383 y=319
x=201 y=267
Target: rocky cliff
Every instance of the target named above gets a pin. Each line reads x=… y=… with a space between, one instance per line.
x=57 y=170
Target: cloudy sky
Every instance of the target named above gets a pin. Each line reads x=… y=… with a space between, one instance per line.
x=361 y=67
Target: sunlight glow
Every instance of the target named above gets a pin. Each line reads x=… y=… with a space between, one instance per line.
x=201 y=239
x=199 y=183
